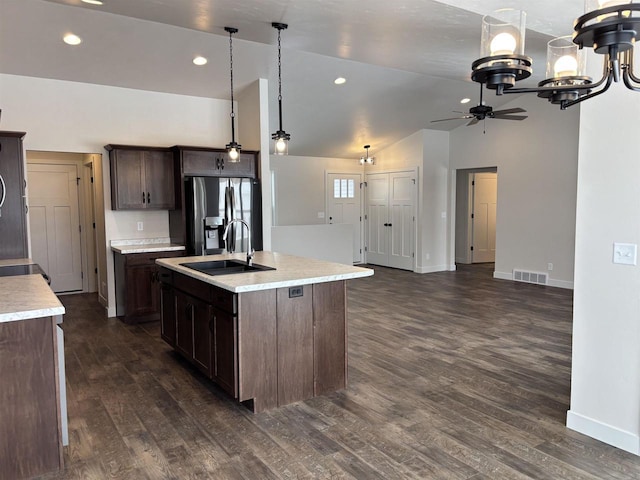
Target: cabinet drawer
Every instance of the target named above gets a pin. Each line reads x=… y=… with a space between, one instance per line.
x=195 y=288
x=223 y=299
x=149 y=258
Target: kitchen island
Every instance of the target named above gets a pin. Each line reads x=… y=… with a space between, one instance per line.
x=267 y=337
x=31 y=411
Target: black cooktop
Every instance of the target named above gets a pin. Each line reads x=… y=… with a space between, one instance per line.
x=13 y=270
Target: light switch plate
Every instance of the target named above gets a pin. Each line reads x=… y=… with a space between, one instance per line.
x=625 y=253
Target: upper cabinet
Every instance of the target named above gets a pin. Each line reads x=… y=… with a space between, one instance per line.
x=211 y=162
x=13 y=215
x=142 y=178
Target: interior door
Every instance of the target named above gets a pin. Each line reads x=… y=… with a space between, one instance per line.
x=55 y=224
x=401 y=220
x=485 y=199
x=344 y=205
x=378 y=218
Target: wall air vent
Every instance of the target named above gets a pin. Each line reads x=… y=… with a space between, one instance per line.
x=530 y=277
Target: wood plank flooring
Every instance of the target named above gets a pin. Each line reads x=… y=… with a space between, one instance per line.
x=452 y=376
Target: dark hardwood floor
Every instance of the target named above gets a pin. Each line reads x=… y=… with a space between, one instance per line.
x=451 y=376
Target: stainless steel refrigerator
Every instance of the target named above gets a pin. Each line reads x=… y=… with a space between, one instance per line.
x=211 y=203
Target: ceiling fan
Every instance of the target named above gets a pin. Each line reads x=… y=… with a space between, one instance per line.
x=482 y=112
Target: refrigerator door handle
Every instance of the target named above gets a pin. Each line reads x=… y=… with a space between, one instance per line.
x=3 y=197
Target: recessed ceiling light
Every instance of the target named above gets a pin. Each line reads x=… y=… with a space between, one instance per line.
x=200 y=61
x=340 y=80
x=465 y=100
x=71 y=39
x=94 y=2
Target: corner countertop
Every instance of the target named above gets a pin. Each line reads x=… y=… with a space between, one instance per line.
x=144 y=245
x=289 y=271
x=27 y=296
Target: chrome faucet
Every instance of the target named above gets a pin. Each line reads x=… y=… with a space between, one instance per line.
x=250 y=251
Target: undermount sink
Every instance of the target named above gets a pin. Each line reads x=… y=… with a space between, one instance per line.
x=225 y=267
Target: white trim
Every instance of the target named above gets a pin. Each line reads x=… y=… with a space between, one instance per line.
x=627 y=441
x=434 y=269
x=550 y=281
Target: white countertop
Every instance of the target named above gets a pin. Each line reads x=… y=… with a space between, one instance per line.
x=144 y=245
x=289 y=271
x=15 y=261
x=27 y=296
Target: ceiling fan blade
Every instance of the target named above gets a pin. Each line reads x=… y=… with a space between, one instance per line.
x=473 y=122
x=509 y=110
x=454 y=118
x=511 y=117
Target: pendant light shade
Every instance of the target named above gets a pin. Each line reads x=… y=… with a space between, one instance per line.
x=233 y=147
x=366 y=160
x=280 y=138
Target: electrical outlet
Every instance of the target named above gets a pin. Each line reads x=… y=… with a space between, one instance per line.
x=427 y=256
x=140 y=226
x=549 y=266
x=320 y=214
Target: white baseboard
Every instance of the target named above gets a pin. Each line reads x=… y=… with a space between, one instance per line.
x=551 y=282
x=627 y=441
x=434 y=269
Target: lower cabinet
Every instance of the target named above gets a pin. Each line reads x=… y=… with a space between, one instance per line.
x=138 y=296
x=266 y=348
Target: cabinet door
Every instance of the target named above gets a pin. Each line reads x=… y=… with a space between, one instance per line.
x=202 y=333
x=168 y=314
x=127 y=180
x=184 y=324
x=225 y=364
x=158 y=176
x=204 y=163
x=244 y=168
x=13 y=236
x=142 y=290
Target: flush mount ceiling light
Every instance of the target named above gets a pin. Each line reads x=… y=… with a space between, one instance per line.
x=233 y=148
x=340 y=81
x=610 y=27
x=280 y=138
x=72 y=39
x=93 y=2
x=366 y=159
x=465 y=100
x=200 y=61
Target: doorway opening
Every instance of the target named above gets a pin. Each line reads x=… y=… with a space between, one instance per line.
x=64 y=218
x=476 y=214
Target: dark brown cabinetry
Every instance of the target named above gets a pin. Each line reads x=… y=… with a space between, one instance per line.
x=138 y=292
x=205 y=326
x=268 y=347
x=13 y=210
x=209 y=162
x=141 y=178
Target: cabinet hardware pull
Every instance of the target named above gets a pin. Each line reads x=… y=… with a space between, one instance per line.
x=218 y=163
x=148 y=197
x=142 y=197
x=222 y=164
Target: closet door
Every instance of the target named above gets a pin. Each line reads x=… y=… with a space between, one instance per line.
x=378 y=219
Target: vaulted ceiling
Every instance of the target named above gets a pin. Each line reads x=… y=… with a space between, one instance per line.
x=406 y=62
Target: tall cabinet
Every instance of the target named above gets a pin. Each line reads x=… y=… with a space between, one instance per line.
x=13 y=206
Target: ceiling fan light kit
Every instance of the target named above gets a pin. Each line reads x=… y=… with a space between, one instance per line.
x=610 y=27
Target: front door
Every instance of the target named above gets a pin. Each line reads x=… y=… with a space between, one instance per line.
x=55 y=224
x=485 y=199
x=344 y=205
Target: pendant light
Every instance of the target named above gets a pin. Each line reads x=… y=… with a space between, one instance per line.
x=366 y=160
x=280 y=138
x=233 y=147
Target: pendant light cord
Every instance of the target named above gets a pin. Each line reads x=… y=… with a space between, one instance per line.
x=233 y=114
x=279 y=79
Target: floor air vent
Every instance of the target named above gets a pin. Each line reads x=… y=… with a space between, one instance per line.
x=530 y=277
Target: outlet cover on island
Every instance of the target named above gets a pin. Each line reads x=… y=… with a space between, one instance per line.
x=140 y=226
x=625 y=253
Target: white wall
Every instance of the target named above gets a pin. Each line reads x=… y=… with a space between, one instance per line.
x=299 y=187
x=605 y=379
x=330 y=242
x=75 y=117
x=537 y=172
